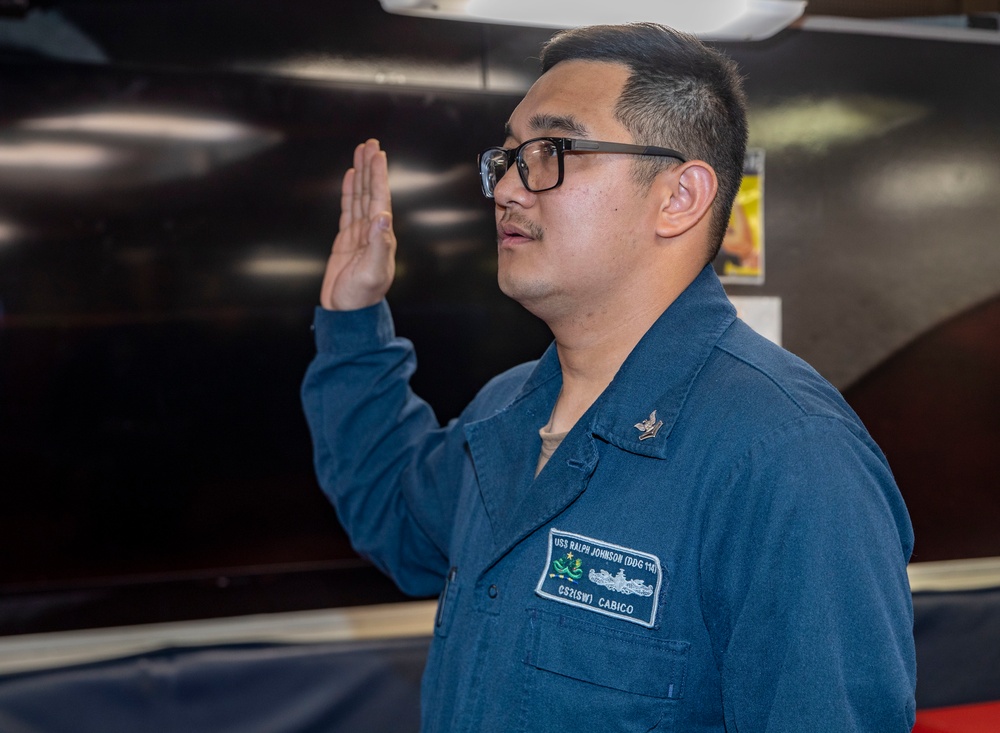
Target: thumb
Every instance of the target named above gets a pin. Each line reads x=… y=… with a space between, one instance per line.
x=380 y=234
x=378 y=259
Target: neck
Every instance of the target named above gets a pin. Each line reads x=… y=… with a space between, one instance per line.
x=594 y=342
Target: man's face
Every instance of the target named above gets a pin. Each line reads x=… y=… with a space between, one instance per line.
x=582 y=245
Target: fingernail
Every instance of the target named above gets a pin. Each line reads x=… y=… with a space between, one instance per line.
x=383 y=222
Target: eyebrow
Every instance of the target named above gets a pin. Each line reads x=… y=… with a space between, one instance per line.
x=566 y=124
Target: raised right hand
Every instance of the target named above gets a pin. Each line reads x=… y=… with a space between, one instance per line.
x=362 y=262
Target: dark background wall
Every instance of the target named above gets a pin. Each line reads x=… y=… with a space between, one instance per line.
x=169 y=175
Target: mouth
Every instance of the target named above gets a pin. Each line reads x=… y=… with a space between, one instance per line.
x=511 y=234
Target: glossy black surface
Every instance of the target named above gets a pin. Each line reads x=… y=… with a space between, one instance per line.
x=156 y=315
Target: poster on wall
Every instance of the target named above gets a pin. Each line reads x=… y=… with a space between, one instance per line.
x=761 y=312
x=741 y=257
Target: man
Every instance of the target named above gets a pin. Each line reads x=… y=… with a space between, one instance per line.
x=666 y=523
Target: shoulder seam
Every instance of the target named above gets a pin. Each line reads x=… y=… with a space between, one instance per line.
x=766 y=375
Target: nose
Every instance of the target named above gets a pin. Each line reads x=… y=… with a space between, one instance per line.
x=510 y=190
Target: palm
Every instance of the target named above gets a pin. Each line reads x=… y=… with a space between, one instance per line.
x=362 y=262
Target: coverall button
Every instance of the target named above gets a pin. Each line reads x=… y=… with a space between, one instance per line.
x=492 y=591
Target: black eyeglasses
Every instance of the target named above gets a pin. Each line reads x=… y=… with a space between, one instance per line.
x=540 y=160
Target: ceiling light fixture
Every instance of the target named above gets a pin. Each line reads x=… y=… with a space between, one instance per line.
x=723 y=20
x=58 y=155
x=145 y=125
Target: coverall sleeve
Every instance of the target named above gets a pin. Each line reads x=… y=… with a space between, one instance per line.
x=391 y=471
x=812 y=618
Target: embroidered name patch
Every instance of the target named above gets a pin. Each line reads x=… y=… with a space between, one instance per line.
x=601 y=577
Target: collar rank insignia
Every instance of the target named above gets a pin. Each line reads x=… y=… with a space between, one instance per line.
x=649 y=427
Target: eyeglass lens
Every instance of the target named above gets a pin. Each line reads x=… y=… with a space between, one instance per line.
x=538 y=166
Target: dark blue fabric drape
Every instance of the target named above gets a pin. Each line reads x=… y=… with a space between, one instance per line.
x=328 y=688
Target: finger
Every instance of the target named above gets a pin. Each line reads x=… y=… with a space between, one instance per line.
x=370 y=152
x=380 y=196
x=346 y=200
x=357 y=208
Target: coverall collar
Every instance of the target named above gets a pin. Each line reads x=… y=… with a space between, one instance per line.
x=655 y=377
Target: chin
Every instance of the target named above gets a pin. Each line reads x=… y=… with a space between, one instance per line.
x=519 y=288
x=533 y=295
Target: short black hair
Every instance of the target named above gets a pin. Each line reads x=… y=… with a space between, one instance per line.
x=680 y=94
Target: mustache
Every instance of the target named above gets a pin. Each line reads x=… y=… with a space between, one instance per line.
x=515 y=221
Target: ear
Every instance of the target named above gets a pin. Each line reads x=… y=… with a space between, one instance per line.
x=687 y=194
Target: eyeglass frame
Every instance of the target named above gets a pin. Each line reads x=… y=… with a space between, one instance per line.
x=564 y=145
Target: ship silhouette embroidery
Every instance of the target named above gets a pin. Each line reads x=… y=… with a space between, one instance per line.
x=619 y=583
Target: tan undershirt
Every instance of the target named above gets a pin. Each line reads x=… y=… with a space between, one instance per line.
x=550 y=441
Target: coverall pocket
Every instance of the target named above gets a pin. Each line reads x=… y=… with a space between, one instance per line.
x=584 y=676
x=446 y=604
